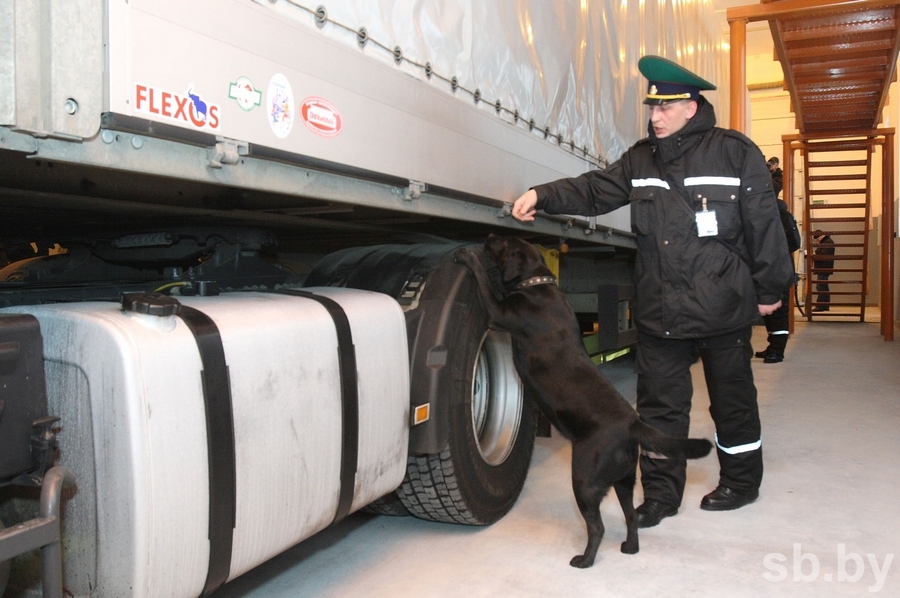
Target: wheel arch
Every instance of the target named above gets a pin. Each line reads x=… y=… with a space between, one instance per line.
x=429 y=285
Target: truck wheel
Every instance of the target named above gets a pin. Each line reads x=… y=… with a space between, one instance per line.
x=471 y=464
x=477 y=478
x=389 y=505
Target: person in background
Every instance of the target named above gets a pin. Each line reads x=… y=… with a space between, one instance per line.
x=777 y=174
x=711 y=258
x=778 y=322
x=824 y=246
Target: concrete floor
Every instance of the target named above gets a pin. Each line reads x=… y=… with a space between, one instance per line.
x=827 y=522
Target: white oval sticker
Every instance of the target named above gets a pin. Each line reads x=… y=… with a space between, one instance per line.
x=321 y=117
x=280 y=105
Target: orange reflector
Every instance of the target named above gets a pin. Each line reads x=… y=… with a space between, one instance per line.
x=421 y=414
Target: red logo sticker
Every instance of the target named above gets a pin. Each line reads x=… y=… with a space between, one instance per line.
x=321 y=117
x=187 y=108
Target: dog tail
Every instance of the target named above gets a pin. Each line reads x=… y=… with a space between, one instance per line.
x=678 y=448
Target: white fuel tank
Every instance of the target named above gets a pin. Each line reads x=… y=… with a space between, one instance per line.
x=129 y=392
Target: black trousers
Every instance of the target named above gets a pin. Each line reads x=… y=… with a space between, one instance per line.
x=822 y=288
x=777 y=325
x=664 y=391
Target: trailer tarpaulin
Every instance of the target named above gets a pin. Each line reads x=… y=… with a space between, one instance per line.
x=570 y=65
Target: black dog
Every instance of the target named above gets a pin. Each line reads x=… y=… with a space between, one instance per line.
x=581 y=403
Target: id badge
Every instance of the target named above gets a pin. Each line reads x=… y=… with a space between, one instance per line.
x=706 y=224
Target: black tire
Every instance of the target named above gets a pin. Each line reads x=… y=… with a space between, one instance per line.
x=478 y=477
x=389 y=505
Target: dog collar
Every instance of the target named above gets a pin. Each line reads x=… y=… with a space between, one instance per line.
x=536 y=280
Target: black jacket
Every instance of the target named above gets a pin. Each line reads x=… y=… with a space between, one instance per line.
x=824 y=246
x=689 y=286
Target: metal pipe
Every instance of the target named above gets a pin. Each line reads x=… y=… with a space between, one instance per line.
x=51 y=554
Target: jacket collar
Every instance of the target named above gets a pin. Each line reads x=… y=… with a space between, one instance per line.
x=674 y=146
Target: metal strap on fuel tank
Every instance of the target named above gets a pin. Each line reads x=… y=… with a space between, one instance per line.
x=349 y=398
x=220 y=445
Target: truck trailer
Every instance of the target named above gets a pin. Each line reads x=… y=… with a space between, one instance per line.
x=229 y=310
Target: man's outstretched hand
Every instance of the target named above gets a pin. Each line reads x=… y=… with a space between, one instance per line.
x=523 y=209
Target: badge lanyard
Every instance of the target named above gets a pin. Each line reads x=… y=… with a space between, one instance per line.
x=706 y=222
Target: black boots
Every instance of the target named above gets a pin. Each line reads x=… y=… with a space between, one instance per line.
x=652 y=512
x=774 y=353
x=728 y=499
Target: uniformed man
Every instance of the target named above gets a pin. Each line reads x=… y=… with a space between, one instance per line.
x=711 y=258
